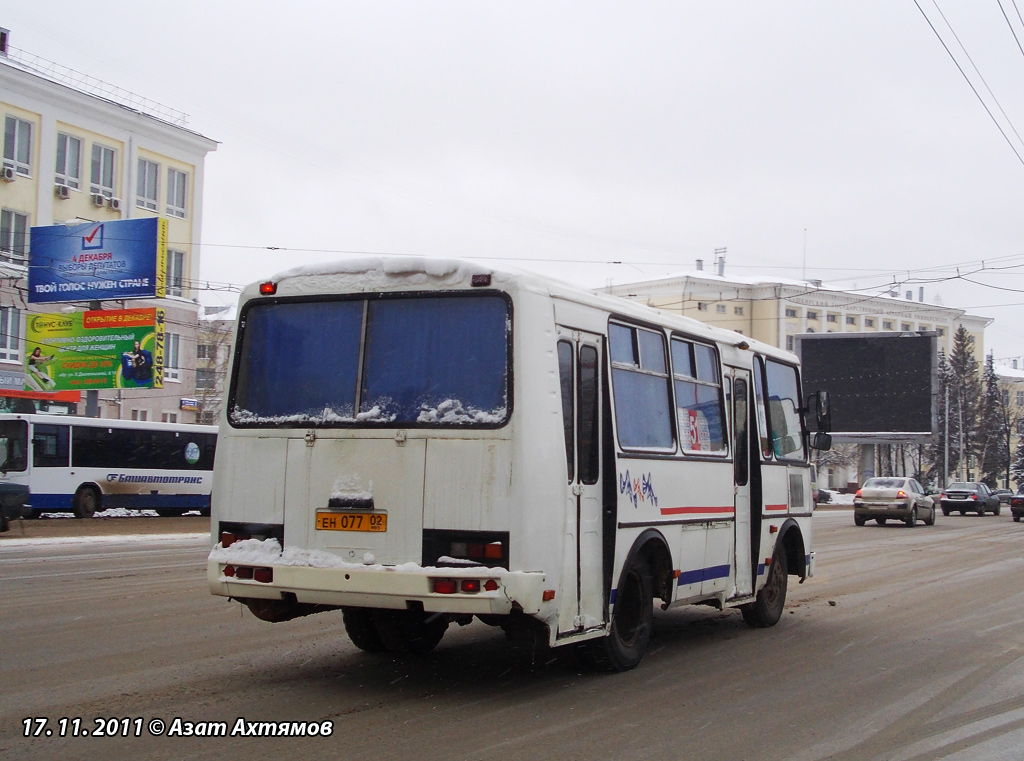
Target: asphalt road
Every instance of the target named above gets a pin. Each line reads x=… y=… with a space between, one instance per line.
x=907 y=645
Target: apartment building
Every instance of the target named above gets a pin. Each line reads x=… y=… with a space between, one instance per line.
x=76 y=150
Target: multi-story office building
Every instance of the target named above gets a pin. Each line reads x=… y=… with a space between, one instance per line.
x=75 y=151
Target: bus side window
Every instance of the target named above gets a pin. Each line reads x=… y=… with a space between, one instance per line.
x=640 y=388
x=50 y=446
x=565 y=381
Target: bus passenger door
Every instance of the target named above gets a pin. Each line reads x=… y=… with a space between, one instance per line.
x=581 y=594
x=740 y=411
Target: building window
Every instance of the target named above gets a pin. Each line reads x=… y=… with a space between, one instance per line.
x=145 y=194
x=102 y=176
x=171 y=357
x=737 y=310
x=851 y=320
x=205 y=380
x=886 y=324
x=869 y=322
x=942 y=331
x=13 y=236
x=1006 y=397
x=69 y=161
x=1020 y=398
x=206 y=351
x=10 y=334
x=702 y=306
x=206 y=417
x=177 y=187
x=812 y=315
x=906 y=326
x=720 y=308
x=140 y=414
x=175 y=272
x=169 y=417
x=791 y=312
x=789 y=343
x=832 y=318
x=18 y=145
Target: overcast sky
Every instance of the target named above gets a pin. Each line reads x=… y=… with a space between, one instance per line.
x=829 y=140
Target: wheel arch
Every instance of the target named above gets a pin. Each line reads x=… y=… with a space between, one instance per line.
x=791 y=537
x=653 y=548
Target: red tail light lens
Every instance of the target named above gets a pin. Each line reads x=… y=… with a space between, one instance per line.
x=445 y=586
x=491 y=585
x=266 y=575
x=243 y=572
x=470 y=586
x=229 y=570
x=901 y=494
x=858 y=493
x=268 y=288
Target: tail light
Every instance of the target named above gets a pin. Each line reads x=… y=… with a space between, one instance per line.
x=858 y=493
x=974 y=497
x=901 y=494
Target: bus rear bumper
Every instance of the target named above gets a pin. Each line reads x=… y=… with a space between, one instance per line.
x=500 y=592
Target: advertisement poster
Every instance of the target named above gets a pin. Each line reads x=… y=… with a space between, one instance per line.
x=121 y=259
x=81 y=351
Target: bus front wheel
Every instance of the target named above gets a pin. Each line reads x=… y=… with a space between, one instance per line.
x=86 y=502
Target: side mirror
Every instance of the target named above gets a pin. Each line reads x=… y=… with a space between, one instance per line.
x=821 y=441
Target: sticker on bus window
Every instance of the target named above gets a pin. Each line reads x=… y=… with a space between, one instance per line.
x=693 y=430
x=192 y=453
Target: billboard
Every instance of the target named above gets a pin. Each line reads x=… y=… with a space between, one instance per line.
x=122 y=259
x=81 y=351
x=882 y=386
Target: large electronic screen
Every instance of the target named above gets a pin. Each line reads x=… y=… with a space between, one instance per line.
x=882 y=386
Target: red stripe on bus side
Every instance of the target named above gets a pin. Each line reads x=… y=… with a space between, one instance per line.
x=776 y=507
x=685 y=510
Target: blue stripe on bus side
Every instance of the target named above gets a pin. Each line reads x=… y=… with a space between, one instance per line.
x=45 y=502
x=703 y=574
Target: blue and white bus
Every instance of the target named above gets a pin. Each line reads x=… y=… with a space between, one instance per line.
x=86 y=465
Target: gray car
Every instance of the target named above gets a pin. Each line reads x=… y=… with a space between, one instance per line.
x=896 y=497
x=968 y=497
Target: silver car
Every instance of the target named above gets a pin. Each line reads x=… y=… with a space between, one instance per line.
x=902 y=499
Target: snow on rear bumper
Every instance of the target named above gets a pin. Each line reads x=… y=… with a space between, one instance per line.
x=388 y=587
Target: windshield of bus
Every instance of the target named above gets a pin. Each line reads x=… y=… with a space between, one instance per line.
x=402 y=361
x=13 y=445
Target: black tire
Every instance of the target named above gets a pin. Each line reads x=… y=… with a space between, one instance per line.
x=1016 y=518
x=632 y=620
x=981 y=511
x=205 y=512
x=880 y=521
x=930 y=520
x=86 y=502
x=411 y=631
x=169 y=512
x=766 y=610
x=912 y=518
x=997 y=510
x=859 y=520
x=945 y=511
x=963 y=512
x=361 y=630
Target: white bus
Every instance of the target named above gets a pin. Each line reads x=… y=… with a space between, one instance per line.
x=420 y=442
x=85 y=465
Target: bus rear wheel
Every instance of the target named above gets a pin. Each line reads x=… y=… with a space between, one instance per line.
x=632 y=620
x=361 y=630
x=766 y=610
x=86 y=502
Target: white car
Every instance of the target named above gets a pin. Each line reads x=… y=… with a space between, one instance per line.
x=895 y=497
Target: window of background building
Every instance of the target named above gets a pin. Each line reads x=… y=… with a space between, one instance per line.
x=206 y=417
x=145 y=194
x=18 y=145
x=69 y=161
x=205 y=379
x=206 y=351
x=906 y=326
x=13 y=236
x=175 y=272
x=851 y=320
x=812 y=315
x=887 y=324
x=832 y=318
x=791 y=313
x=171 y=356
x=140 y=414
x=789 y=343
x=177 y=189
x=1006 y=397
x=169 y=417
x=737 y=310
x=702 y=306
x=942 y=331
x=869 y=322
x=102 y=173
x=720 y=308
x=1020 y=398
x=10 y=334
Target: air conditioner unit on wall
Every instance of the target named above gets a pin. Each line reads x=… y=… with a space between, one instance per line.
x=98 y=199
x=61 y=191
x=7 y=174
x=115 y=203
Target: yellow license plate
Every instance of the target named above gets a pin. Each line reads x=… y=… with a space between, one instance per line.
x=351 y=522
